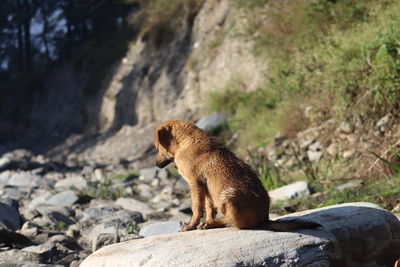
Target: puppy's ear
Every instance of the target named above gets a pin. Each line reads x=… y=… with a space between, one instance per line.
x=163 y=137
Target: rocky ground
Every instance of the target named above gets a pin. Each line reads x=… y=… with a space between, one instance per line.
x=52 y=213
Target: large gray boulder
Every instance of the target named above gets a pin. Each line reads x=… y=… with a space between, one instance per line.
x=9 y=215
x=211 y=121
x=353 y=234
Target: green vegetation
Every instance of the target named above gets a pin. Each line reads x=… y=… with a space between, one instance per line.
x=342 y=58
x=132 y=228
x=122 y=175
x=105 y=190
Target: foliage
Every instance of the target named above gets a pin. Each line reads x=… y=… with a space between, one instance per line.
x=394 y=165
x=340 y=57
x=351 y=63
x=132 y=228
x=104 y=190
x=251 y=114
x=270 y=175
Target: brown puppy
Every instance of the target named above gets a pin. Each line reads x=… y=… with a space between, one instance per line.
x=218 y=180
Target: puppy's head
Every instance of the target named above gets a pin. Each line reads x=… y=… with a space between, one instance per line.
x=163 y=141
x=173 y=135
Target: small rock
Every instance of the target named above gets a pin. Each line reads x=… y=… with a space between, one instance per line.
x=305 y=144
x=17 y=256
x=309 y=111
x=45 y=209
x=101 y=203
x=88 y=170
x=102 y=240
x=148 y=174
x=309 y=134
x=73 y=231
x=155 y=182
x=63 y=199
x=164 y=206
x=181 y=186
x=30 y=232
x=39 y=199
x=293 y=190
x=58 y=218
x=43 y=221
x=162 y=174
x=29 y=229
x=333 y=149
x=166 y=192
x=180 y=217
x=75 y=263
x=4 y=161
x=396 y=209
x=105 y=214
x=71 y=182
x=12 y=192
x=211 y=121
x=159 y=228
x=383 y=122
x=24 y=179
x=29 y=214
x=314 y=155
x=279 y=138
x=135 y=205
x=345 y=127
x=98 y=174
x=378 y=133
x=348 y=185
x=316 y=146
x=348 y=153
x=157 y=199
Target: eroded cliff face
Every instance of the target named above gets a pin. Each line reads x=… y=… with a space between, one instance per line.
x=155 y=82
x=164 y=75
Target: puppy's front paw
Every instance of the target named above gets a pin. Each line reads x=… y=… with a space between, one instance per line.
x=211 y=224
x=202 y=226
x=187 y=227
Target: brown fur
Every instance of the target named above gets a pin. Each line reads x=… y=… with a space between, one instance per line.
x=218 y=180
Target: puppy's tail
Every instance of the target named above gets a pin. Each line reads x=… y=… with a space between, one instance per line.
x=290 y=225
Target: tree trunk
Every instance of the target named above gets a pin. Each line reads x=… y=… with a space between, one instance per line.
x=27 y=34
x=19 y=37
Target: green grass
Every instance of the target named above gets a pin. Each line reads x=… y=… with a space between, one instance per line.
x=340 y=58
x=122 y=175
x=105 y=190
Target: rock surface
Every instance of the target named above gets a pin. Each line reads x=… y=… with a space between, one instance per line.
x=160 y=228
x=211 y=121
x=293 y=190
x=346 y=228
x=9 y=216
